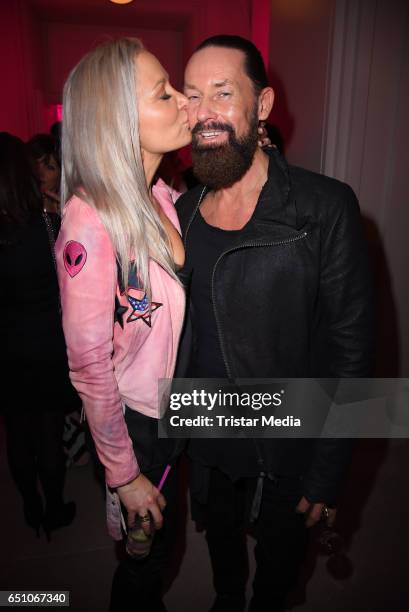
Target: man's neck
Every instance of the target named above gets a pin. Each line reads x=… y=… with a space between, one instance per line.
x=232 y=207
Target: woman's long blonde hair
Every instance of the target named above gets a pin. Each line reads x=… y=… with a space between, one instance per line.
x=101 y=156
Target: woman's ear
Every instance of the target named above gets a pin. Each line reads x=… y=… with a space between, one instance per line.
x=265 y=103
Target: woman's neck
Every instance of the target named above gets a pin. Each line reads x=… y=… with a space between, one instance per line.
x=151 y=163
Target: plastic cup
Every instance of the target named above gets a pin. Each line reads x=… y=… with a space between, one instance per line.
x=138 y=543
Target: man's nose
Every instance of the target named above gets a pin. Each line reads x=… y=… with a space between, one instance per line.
x=206 y=111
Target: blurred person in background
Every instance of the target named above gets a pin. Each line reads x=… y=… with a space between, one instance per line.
x=44 y=151
x=36 y=386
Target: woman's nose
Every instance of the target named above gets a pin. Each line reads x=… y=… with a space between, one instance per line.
x=181 y=100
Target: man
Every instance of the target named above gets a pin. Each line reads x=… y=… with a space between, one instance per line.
x=280 y=288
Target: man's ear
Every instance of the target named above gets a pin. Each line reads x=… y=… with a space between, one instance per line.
x=265 y=103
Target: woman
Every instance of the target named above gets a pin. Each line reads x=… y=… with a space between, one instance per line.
x=45 y=158
x=35 y=383
x=123 y=306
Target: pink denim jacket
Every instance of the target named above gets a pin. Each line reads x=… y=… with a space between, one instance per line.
x=117 y=347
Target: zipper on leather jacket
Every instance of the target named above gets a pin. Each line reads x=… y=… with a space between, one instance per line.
x=237 y=248
x=193 y=215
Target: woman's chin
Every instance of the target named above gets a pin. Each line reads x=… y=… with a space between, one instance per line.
x=185 y=141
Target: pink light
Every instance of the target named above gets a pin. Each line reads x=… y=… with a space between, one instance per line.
x=58 y=112
x=260 y=28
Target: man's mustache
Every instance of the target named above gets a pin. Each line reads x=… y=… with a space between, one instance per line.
x=214 y=125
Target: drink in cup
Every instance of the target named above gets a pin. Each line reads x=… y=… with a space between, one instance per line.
x=138 y=543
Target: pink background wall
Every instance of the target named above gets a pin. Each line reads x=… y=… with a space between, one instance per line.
x=41 y=40
x=14 y=97
x=65 y=44
x=300 y=39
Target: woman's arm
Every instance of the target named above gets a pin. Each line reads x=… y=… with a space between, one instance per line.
x=87 y=275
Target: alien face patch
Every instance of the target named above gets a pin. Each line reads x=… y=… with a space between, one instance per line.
x=74 y=257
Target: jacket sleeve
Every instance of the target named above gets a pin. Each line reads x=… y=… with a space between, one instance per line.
x=346 y=311
x=87 y=275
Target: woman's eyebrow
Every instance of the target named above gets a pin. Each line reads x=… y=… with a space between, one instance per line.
x=161 y=81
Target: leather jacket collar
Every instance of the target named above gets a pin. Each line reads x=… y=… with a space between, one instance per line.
x=275 y=215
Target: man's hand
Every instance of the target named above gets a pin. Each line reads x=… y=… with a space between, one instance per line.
x=314 y=512
x=141 y=497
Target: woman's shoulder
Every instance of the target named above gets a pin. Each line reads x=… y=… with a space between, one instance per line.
x=166 y=196
x=79 y=208
x=82 y=225
x=164 y=193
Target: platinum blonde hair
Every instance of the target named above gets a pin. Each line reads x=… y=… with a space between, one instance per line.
x=102 y=160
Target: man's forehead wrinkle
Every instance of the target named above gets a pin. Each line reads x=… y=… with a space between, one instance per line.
x=213 y=80
x=211 y=71
x=223 y=82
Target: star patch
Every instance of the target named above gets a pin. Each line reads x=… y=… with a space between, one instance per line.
x=133 y=280
x=141 y=309
x=119 y=312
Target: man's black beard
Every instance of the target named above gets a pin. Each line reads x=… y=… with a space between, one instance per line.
x=220 y=166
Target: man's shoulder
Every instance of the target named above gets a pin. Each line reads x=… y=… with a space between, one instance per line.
x=314 y=184
x=320 y=196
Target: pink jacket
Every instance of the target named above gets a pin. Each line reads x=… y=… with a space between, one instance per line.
x=117 y=348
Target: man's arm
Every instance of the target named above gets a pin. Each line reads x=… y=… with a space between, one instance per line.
x=346 y=301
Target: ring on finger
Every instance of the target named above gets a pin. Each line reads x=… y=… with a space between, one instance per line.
x=145 y=518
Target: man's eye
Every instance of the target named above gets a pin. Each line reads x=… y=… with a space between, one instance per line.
x=192 y=98
x=224 y=94
x=165 y=96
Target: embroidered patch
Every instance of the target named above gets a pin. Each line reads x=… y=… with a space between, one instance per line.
x=74 y=257
x=133 y=279
x=119 y=312
x=141 y=310
x=137 y=298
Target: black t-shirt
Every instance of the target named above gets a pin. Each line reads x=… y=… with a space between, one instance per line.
x=205 y=244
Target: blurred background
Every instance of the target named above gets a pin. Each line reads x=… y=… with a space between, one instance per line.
x=340 y=70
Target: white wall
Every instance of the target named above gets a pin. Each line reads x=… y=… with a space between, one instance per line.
x=366 y=145
x=300 y=37
x=342 y=68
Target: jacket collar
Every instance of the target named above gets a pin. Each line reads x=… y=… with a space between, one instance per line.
x=275 y=215
x=276 y=203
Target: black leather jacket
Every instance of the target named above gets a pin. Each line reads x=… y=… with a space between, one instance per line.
x=301 y=263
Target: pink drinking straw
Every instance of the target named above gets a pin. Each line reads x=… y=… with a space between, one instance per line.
x=164 y=476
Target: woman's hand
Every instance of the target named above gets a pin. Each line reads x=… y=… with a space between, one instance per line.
x=141 y=497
